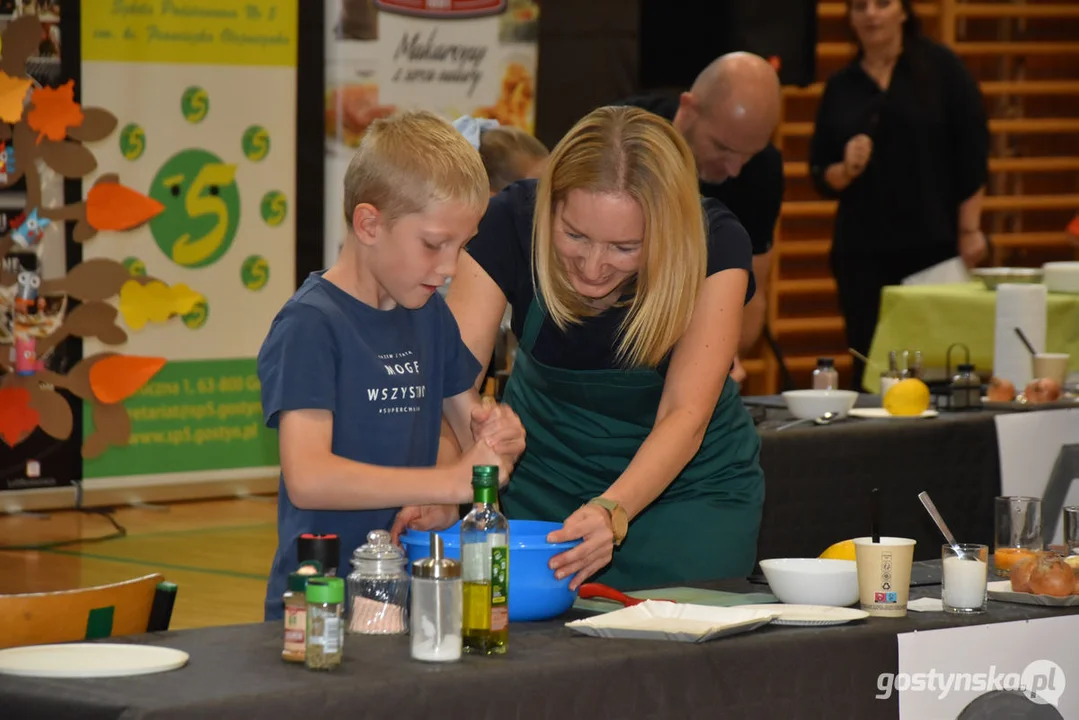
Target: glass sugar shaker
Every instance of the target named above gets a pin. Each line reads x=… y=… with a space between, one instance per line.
x=378 y=588
x=966 y=388
x=437 y=606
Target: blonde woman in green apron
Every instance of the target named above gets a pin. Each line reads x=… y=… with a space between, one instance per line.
x=627 y=292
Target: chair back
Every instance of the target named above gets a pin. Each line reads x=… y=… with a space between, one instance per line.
x=123 y=608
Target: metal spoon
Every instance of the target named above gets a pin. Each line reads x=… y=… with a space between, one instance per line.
x=935 y=514
x=822 y=420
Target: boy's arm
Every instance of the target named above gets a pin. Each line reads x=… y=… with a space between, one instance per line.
x=316 y=479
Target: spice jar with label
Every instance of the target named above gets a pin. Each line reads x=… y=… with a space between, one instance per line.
x=378 y=588
x=325 y=625
x=295 y=600
x=437 y=606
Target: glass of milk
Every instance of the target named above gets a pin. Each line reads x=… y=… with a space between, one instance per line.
x=963 y=586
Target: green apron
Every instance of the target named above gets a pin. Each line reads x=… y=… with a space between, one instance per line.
x=584 y=427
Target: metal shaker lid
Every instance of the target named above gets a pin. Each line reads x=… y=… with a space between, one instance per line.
x=436 y=567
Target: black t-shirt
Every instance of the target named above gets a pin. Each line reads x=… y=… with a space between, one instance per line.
x=754 y=196
x=930 y=149
x=503 y=248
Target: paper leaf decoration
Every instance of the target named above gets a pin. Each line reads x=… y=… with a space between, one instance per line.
x=21 y=39
x=111 y=206
x=54 y=111
x=83 y=232
x=112 y=426
x=17 y=418
x=97 y=124
x=54 y=414
x=117 y=377
x=67 y=158
x=154 y=302
x=95 y=319
x=12 y=96
x=78 y=378
x=95 y=279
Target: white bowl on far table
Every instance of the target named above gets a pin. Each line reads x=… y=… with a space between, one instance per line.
x=812 y=581
x=1061 y=277
x=812 y=404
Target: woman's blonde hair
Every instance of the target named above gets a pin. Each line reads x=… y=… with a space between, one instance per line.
x=507 y=153
x=631 y=152
x=410 y=160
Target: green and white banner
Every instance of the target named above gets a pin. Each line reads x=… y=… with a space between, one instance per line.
x=205 y=94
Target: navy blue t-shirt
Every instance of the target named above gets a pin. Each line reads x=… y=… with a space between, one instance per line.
x=382 y=373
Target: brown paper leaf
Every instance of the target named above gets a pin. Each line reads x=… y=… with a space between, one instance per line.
x=69 y=159
x=97 y=124
x=96 y=279
x=54 y=414
x=5 y=131
x=114 y=335
x=77 y=380
x=83 y=232
x=112 y=426
x=19 y=41
x=89 y=319
x=108 y=178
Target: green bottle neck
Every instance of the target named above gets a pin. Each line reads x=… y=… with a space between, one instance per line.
x=485 y=496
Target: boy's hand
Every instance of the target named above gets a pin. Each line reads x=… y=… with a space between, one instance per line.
x=500 y=428
x=423 y=517
x=481 y=453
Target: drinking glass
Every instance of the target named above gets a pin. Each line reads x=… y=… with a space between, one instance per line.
x=1071 y=529
x=1018 y=531
x=963 y=582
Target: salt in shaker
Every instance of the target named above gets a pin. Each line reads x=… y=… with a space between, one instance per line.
x=436 y=606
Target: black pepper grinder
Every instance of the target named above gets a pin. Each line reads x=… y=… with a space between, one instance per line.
x=326 y=549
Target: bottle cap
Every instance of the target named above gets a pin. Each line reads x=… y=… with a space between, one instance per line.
x=436 y=567
x=378 y=556
x=298 y=582
x=322 y=590
x=965 y=367
x=825 y=362
x=484 y=476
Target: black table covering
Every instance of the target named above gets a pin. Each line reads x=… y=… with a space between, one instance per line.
x=550 y=672
x=818 y=479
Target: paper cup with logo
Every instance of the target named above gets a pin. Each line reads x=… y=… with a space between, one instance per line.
x=884 y=574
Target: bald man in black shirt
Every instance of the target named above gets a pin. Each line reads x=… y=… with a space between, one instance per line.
x=728 y=118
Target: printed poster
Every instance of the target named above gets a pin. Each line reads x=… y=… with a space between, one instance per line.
x=205 y=94
x=453 y=57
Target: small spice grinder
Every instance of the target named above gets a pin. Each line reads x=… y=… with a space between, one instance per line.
x=326 y=549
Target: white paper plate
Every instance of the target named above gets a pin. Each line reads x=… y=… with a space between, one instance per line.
x=811 y=615
x=681 y=622
x=882 y=414
x=89 y=660
x=1002 y=590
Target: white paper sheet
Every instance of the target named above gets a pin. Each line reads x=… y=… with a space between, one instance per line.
x=941 y=672
x=945 y=273
x=1029 y=443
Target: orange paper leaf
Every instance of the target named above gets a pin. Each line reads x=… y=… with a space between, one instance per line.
x=117 y=377
x=17 y=418
x=55 y=110
x=111 y=206
x=12 y=94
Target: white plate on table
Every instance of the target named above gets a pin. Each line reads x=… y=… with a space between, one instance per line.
x=811 y=615
x=882 y=414
x=681 y=622
x=89 y=660
x=1001 y=591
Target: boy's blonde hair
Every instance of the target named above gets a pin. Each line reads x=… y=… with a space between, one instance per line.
x=410 y=160
x=628 y=151
x=507 y=152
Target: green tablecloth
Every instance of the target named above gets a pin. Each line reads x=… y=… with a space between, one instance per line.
x=932 y=317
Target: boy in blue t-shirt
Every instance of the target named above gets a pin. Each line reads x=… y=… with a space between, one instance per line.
x=361 y=363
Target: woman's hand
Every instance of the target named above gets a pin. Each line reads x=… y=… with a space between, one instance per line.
x=592 y=525
x=501 y=428
x=423 y=517
x=856 y=155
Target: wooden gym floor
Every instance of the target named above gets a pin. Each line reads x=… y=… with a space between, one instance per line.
x=217 y=552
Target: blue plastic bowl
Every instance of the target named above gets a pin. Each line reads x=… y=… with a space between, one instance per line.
x=535 y=594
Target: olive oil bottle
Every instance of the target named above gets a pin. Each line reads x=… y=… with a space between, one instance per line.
x=485 y=568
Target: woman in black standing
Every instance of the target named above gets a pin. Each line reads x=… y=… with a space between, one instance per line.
x=902 y=140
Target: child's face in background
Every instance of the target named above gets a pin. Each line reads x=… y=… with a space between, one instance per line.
x=416 y=255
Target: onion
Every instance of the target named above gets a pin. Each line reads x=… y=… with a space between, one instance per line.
x=1042 y=390
x=1051 y=576
x=1020 y=575
x=1000 y=390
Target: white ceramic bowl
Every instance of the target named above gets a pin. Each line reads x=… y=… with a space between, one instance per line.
x=812 y=404
x=812 y=581
x=1062 y=277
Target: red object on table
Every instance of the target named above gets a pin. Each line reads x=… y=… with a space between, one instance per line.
x=599 y=590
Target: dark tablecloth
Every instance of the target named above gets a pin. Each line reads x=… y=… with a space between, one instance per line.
x=550 y=672
x=818 y=479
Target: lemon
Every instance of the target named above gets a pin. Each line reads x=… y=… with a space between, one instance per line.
x=907 y=397
x=840 y=551
x=1073 y=561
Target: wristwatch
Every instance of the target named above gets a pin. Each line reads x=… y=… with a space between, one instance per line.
x=619 y=519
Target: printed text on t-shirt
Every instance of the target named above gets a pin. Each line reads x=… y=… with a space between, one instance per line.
x=394 y=398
